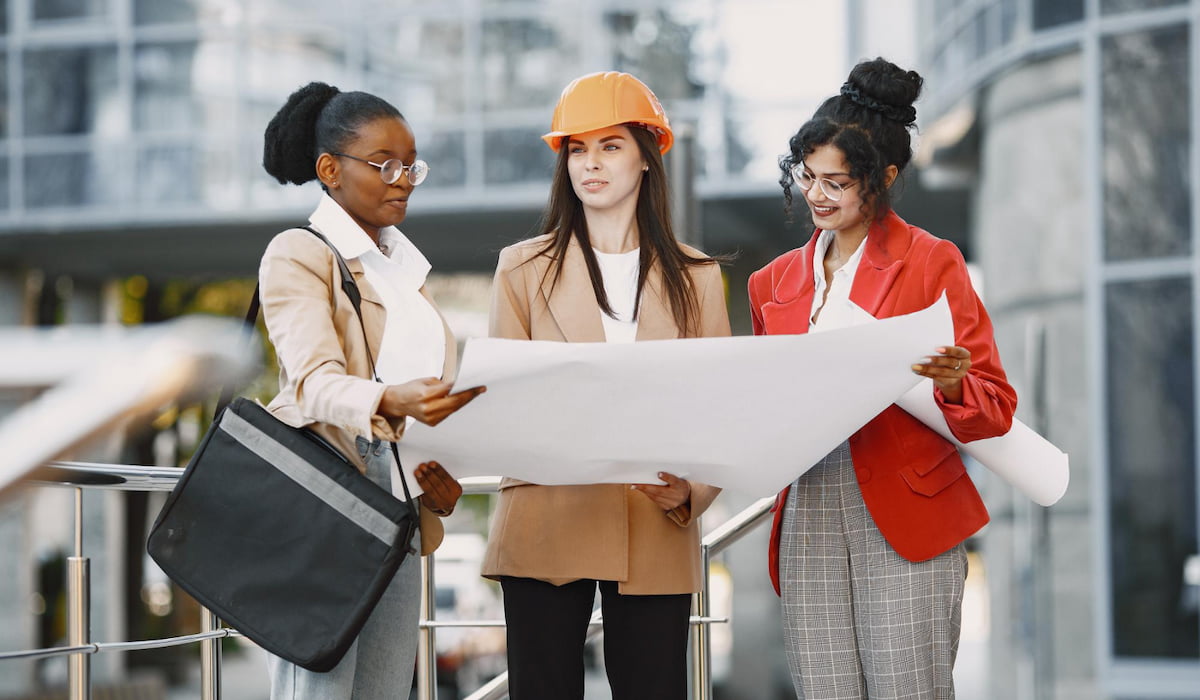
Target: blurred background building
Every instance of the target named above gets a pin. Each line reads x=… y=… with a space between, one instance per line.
x=1055 y=148
x=1071 y=123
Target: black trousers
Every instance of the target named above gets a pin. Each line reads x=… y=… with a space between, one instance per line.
x=645 y=640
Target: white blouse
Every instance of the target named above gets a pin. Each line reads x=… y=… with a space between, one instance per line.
x=414 y=339
x=620 y=274
x=839 y=311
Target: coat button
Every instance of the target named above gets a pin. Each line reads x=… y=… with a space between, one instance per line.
x=863 y=474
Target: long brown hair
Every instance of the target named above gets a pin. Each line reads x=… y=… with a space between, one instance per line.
x=563 y=219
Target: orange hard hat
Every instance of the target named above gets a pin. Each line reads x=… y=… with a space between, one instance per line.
x=599 y=100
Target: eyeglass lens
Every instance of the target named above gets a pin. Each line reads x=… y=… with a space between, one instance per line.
x=392 y=169
x=805 y=180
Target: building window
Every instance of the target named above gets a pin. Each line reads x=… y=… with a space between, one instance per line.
x=4 y=179
x=1051 y=13
x=1152 y=471
x=418 y=65
x=1112 y=6
x=164 y=96
x=77 y=10
x=514 y=156
x=71 y=91
x=446 y=156
x=525 y=63
x=1146 y=127
x=75 y=179
x=3 y=95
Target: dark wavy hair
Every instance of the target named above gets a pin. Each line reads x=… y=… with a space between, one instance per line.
x=869 y=122
x=563 y=219
x=316 y=119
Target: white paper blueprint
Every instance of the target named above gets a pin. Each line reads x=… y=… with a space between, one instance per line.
x=745 y=413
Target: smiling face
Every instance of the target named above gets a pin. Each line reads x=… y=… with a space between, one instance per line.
x=847 y=213
x=357 y=186
x=605 y=167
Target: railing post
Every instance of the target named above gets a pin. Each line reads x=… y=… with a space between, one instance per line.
x=79 y=666
x=701 y=649
x=427 y=641
x=210 y=657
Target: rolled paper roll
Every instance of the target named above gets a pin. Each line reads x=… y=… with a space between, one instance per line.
x=1021 y=457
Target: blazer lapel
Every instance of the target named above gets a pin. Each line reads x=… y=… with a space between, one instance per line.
x=882 y=261
x=790 y=306
x=655 y=320
x=365 y=289
x=374 y=316
x=571 y=300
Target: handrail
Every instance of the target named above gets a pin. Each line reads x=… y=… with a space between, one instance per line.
x=104 y=376
x=141 y=478
x=140 y=645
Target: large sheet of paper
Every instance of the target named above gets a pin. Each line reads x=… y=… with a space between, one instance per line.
x=1024 y=459
x=746 y=413
x=1021 y=457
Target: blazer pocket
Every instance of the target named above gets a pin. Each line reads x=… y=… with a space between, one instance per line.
x=932 y=481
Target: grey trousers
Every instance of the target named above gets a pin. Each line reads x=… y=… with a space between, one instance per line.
x=379 y=666
x=859 y=620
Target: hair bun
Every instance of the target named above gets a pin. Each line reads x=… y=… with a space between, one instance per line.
x=882 y=86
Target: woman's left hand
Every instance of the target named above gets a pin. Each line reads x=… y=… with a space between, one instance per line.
x=947 y=370
x=674 y=494
x=441 y=490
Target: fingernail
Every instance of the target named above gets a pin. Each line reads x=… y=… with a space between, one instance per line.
x=633 y=487
x=916 y=368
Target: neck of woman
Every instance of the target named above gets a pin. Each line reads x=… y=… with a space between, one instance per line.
x=845 y=242
x=613 y=230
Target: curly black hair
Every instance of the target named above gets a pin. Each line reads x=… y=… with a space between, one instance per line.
x=316 y=119
x=869 y=122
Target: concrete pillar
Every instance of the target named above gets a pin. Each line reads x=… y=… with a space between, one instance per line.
x=1033 y=272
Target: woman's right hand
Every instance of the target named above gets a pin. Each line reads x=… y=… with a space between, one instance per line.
x=428 y=400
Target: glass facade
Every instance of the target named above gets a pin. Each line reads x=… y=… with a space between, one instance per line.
x=1051 y=13
x=186 y=86
x=1146 y=165
x=1136 y=124
x=1115 y=6
x=1152 y=471
x=1150 y=333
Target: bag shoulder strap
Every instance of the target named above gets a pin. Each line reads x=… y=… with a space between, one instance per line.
x=350 y=288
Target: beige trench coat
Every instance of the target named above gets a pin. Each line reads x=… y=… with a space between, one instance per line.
x=324 y=375
x=604 y=531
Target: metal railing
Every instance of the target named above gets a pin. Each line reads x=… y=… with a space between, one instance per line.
x=80 y=647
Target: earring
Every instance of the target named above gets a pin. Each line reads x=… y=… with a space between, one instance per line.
x=645 y=168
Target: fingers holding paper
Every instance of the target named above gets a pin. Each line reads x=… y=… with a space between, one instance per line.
x=670 y=496
x=947 y=369
x=428 y=400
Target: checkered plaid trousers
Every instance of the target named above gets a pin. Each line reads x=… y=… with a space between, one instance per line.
x=860 y=621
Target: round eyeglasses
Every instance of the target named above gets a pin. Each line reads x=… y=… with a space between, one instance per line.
x=390 y=170
x=804 y=180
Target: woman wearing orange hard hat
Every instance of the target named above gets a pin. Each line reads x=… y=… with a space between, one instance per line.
x=606 y=268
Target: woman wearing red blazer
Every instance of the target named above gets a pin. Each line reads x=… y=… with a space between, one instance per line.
x=867 y=546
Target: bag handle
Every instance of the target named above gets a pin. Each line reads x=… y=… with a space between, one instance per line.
x=350 y=288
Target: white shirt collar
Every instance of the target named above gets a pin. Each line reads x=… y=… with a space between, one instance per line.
x=343 y=231
x=849 y=267
x=352 y=242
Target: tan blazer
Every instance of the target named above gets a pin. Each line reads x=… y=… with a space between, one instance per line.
x=604 y=531
x=324 y=377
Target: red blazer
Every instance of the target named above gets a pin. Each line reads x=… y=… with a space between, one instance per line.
x=913 y=481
